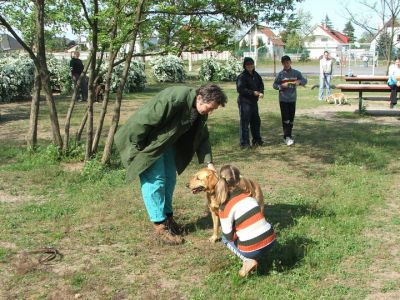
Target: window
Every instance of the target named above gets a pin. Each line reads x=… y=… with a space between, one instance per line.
x=324 y=39
x=398 y=37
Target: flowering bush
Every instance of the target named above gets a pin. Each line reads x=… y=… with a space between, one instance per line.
x=168 y=69
x=209 y=70
x=212 y=70
x=16 y=77
x=60 y=74
x=136 y=77
x=230 y=70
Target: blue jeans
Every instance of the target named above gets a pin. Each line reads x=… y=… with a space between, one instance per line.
x=157 y=186
x=257 y=255
x=324 y=81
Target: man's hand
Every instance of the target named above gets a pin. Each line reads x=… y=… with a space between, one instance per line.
x=211 y=167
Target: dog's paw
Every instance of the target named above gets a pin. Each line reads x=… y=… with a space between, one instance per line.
x=213 y=239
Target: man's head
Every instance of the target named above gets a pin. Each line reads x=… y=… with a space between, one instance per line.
x=209 y=97
x=326 y=54
x=76 y=54
x=286 y=62
x=248 y=64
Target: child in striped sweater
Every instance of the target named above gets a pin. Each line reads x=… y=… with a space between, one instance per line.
x=244 y=228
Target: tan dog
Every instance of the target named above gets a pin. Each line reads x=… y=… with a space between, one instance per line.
x=205 y=180
x=337 y=98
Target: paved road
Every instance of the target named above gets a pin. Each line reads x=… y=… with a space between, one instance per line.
x=337 y=71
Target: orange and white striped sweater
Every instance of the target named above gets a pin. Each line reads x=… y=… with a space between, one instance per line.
x=241 y=219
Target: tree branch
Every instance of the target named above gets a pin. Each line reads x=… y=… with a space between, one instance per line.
x=17 y=37
x=86 y=13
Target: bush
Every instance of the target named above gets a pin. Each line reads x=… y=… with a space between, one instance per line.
x=136 y=77
x=16 y=77
x=230 y=70
x=212 y=70
x=168 y=69
x=60 y=74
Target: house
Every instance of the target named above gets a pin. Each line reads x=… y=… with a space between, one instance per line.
x=323 y=38
x=264 y=40
x=8 y=43
x=387 y=28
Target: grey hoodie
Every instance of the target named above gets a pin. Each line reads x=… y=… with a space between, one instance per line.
x=288 y=94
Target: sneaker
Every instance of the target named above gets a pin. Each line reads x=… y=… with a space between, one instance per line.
x=289 y=141
x=174 y=227
x=243 y=147
x=391 y=105
x=249 y=265
x=165 y=235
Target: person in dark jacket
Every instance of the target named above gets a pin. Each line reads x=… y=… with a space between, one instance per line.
x=250 y=87
x=159 y=140
x=77 y=67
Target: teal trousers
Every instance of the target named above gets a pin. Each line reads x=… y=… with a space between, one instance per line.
x=158 y=185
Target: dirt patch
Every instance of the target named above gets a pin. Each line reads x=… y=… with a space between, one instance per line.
x=6 y=197
x=73 y=167
x=379 y=114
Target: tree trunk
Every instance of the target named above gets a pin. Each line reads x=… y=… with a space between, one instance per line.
x=72 y=105
x=92 y=76
x=44 y=74
x=33 y=120
x=117 y=107
x=103 y=112
x=81 y=127
x=110 y=68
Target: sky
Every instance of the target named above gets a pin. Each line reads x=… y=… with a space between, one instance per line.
x=335 y=9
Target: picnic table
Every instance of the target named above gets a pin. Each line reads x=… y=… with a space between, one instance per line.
x=366 y=83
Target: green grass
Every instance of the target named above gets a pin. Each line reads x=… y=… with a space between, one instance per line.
x=323 y=197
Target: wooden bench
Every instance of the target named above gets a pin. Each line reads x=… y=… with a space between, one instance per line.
x=366 y=87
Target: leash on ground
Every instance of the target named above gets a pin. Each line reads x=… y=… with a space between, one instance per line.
x=48 y=254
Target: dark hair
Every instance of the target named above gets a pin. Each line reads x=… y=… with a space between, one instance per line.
x=247 y=61
x=326 y=51
x=212 y=93
x=285 y=58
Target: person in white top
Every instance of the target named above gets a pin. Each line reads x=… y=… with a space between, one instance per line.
x=325 y=73
x=393 y=81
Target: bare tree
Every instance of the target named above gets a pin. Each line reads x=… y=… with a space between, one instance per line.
x=387 y=11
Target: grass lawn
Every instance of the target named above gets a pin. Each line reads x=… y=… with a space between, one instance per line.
x=332 y=198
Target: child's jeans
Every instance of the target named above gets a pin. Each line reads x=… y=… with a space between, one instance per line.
x=246 y=255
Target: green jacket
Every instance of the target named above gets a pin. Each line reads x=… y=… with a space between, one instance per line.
x=162 y=122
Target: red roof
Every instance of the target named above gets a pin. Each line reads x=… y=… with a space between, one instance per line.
x=336 y=35
x=274 y=39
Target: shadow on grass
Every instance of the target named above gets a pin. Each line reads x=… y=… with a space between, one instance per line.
x=284 y=255
x=329 y=142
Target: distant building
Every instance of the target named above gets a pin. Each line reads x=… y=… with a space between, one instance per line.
x=269 y=40
x=8 y=43
x=323 y=38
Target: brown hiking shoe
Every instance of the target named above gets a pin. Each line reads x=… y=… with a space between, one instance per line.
x=164 y=234
x=249 y=265
x=174 y=227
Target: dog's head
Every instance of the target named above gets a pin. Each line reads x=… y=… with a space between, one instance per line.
x=203 y=181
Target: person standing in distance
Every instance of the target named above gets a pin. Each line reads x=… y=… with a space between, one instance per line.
x=77 y=67
x=393 y=81
x=159 y=140
x=286 y=82
x=250 y=87
x=325 y=74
